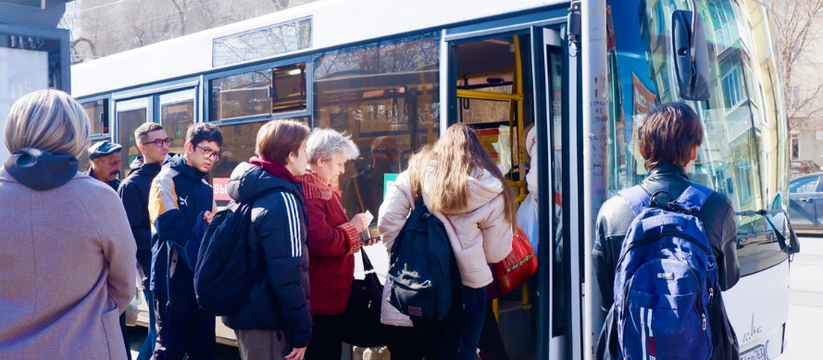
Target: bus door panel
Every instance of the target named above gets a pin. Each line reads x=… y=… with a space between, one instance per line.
x=129 y=114
x=552 y=85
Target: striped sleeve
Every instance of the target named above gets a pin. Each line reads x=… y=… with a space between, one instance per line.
x=162 y=196
x=294 y=228
x=166 y=218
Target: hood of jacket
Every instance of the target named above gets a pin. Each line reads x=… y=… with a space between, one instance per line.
x=483 y=188
x=248 y=181
x=138 y=167
x=314 y=188
x=41 y=170
x=178 y=162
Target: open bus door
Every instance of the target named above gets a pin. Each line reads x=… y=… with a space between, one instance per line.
x=501 y=85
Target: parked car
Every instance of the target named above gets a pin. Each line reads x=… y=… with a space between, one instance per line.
x=806 y=203
x=803 y=167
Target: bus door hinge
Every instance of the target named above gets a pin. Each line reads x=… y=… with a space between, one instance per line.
x=574 y=25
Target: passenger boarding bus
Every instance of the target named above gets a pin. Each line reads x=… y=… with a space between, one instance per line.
x=583 y=73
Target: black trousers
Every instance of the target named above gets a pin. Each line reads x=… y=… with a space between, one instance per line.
x=180 y=333
x=125 y=337
x=403 y=343
x=491 y=342
x=325 y=342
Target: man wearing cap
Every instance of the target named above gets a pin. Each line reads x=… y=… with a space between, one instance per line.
x=105 y=163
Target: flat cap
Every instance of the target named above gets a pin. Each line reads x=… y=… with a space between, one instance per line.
x=102 y=149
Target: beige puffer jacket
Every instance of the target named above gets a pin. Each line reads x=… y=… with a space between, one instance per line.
x=479 y=234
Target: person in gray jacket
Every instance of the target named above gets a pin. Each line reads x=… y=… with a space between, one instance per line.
x=669 y=138
x=67 y=262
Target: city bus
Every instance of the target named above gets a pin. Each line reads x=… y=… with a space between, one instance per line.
x=583 y=73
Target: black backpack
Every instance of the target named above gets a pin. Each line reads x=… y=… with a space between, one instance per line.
x=224 y=274
x=423 y=273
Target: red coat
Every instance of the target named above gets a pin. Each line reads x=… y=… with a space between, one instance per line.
x=332 y=243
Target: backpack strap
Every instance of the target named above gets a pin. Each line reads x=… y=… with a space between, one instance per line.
x=637 y=197
x=695 y=196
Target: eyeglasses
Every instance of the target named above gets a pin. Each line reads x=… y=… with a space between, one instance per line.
x=160 y=142
x=209 y=153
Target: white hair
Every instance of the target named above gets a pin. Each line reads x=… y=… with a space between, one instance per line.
x=326 y=143
x=48 y=120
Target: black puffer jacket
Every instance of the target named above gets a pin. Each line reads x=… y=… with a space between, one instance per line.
x=717 y=215
x=134 y=192
x=279 y=300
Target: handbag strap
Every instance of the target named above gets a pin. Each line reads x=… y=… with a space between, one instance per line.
x=367 y=266
x=359 y=198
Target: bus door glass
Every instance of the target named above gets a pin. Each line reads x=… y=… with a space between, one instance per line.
x=129 y=114
x=177 y=113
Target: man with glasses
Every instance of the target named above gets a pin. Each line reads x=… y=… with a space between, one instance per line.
x=181 y=204
x=105 y=163
x=153 y=144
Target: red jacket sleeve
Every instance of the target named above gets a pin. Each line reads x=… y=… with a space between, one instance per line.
x=326 y=239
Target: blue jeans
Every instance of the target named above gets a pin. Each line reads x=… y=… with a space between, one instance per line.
x=457 y=335
x=147 y=349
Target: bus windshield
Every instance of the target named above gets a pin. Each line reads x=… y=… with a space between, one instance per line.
x=740 y=146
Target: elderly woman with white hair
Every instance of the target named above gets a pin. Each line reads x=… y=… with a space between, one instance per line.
x=333 y=240
x=67 y=255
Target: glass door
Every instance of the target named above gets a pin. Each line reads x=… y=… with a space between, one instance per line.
x=177 y=113
x=129 y=114
x=504 y=87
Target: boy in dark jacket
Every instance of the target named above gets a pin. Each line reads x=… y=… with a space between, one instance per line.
x=275 y=322
x=153 y=144
x=181 y=204
x=668 y=139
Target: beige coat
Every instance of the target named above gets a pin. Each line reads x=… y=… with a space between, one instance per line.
x=67 y=270
x=479 y=234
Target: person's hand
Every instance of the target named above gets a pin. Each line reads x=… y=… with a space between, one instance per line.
x=296 y=354
x=207 y=216
x=371 y=242
x=360 y=222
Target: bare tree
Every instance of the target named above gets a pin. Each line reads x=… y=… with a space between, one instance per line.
x=110 y=27
x=797 y=29
x=281 y=4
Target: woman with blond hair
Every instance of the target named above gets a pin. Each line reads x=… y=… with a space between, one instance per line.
x=461 y=185
x=67 y=255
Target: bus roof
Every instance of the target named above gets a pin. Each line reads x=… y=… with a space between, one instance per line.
x=334 y=23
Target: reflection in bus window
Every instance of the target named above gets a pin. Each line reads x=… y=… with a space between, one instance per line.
x=389 y=88
x=238 y=146
x=127 y=122
x=97 y=111
x=741 y=68
x=176 y=117
x=266 y=91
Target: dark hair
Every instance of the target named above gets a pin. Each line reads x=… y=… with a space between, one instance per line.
x=279 y=138
x=204 y=132
x=667 y=134
x=143 y=131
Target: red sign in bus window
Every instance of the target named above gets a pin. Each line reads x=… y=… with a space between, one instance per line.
x=221 y=189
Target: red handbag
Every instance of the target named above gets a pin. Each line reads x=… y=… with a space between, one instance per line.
x=518 y=267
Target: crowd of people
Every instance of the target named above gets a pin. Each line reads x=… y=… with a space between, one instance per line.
x=73 y=250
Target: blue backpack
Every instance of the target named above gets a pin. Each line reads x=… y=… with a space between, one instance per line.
x=425 y=281
x=666 y=278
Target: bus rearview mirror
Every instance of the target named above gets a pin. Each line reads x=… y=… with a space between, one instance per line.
x=691 y=56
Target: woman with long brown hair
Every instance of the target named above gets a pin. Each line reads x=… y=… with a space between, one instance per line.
x=461 y=185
